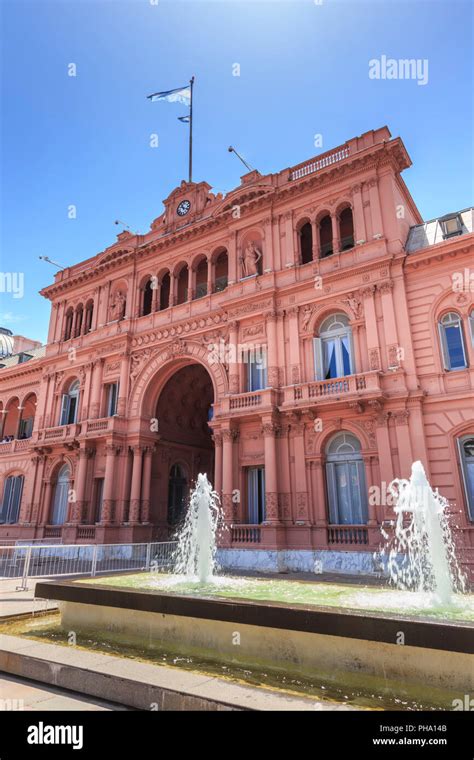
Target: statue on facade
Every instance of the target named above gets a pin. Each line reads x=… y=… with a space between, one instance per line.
x=118 y=305
x=250 y=259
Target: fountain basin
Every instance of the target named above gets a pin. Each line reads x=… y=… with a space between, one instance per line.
x=257 y=633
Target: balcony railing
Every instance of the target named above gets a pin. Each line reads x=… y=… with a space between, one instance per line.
x=326 y=160
x=246 y=534
x=18 y=444
x=247 y=402
x=364 y=383
x=348 y=535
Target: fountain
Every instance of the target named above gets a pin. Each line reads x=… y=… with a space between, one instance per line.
x=421 y=554
x=297 y=627
x=196 y=551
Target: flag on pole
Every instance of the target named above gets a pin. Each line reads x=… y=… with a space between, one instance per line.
x=184 y=119
x=178 y=95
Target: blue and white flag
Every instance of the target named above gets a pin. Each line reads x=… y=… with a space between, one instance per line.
x=184 y=119
x=179 y=95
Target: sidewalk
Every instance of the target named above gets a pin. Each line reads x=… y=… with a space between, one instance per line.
x=13 y=602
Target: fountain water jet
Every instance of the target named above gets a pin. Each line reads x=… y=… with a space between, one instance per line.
x=422 y=554
x=196 y=551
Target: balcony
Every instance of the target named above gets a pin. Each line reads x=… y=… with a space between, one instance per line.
x=248 y=403
x=348 y=535
x=18 y=444
x=350 y=388
x=85 y=429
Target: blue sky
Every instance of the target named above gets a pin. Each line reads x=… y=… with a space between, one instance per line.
x=85 y=140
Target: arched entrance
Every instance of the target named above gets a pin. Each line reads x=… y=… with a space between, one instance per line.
x=185 y=448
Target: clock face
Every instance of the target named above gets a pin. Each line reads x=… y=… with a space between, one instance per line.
x=183 y=208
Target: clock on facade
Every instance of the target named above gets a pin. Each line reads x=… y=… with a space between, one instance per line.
x=183 y=208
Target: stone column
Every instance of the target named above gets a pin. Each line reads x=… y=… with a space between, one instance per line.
x=268 y=263
x=26 y=507
x=210 y=276
x=155 y=293
x=86 y=396
x=389 y=323
x=270 y=430
x=191 y=283
x=135 y=491
x=372 y=510
x=146 y=484
x=272 y=349
x=375 y=211
x=405 y=453
x=373 y=346
x=48 y=489
x=360 y=234
x=297 y=433
x=96 y=387
x=123 y=383
x=384 y=448
x=233 y=264
x=173 y=286
x=95 y=309
x=229 y=435
x=234 y=383
x=35 y=514
x=108 y=500
x=336 y=234
x=295 y=364
x=217 y=438
x=316 y=240
x=80 y=505
x=289 y=239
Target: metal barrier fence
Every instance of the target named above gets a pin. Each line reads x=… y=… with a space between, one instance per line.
x=82 y=559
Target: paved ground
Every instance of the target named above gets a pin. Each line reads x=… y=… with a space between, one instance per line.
x=22 y=694
x=13 y=602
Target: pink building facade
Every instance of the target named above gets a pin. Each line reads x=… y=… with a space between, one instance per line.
x=302 y=340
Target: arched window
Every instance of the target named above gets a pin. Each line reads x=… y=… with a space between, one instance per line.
x=10 y=507
x=306 y=243
x=201 y=279
x=221 y=272
x=60 y=497
x=325 y=236
x=452 y=341
x=346 y=229
x=182 y=287
x=147 y=298
x=68 y=324
x=165 y=291
x=177 y=495
x=70 y=404
x=466 y=456
x=345 y=479
x=333 y=349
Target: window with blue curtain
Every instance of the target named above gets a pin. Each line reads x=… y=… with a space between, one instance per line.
x=466 y=456
x=256 y=495
x=333 y=349
x=345 y=478
x=60 y=505
x=452 y=342
x=12 y=491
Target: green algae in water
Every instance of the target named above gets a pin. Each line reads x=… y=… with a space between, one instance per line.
x=360 y=598
x=351 y=689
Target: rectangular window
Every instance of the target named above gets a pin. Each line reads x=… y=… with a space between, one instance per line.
x=256 y=495
x=99 y=495
x=256 y=370
x=26 y=427
x=68 y=409
x=112 y=398
x=12 y=491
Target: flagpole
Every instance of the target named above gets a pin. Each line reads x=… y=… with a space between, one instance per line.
x=191 y=82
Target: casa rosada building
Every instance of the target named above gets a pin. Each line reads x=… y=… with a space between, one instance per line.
x=302 y=340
